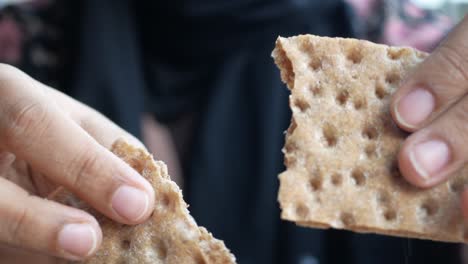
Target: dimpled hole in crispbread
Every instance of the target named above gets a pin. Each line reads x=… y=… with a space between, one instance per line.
x=392 y=78
x=383 y=198
x=316 y=183
x=370 y=132
x=429 y=207
x=355 y=55
x=347 y=219
x=302 y=104
x=336 y=179
x=395 y=53
x=390 y=215
x=371 y=150
x=160 y=247
x=302 y=211
x=457 y=185
x=315 y=90
x=380 y=91
x=358 y=176
x=342 y=97
x=330 y=134
x=126 y=243
x=359 y=103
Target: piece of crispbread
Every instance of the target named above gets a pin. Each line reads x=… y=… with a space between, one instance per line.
x=170 y=236
x=341 y=146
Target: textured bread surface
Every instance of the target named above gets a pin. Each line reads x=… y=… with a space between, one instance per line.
x=341 y=146
x=170 y=236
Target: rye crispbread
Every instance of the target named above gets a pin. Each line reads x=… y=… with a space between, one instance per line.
x=170 y=236
x=341 y=146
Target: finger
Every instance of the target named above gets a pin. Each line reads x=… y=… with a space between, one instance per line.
x=6 y=159
x=430 y=155
x=439 y=82
x=41 y=225
x=97 y=125
x=22 y=256
x=36 y=130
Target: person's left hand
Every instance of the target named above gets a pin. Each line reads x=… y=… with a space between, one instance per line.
x=48 y=139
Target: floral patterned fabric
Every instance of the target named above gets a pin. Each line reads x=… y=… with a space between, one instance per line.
x=399 y=22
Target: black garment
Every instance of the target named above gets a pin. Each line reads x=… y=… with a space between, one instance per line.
x=212 y=58
x=185 y=41
x=106 y=70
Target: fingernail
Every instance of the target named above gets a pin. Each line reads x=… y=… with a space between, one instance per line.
x=130 y=203
x=79 y=240
x=430 y=157
x=415 y=107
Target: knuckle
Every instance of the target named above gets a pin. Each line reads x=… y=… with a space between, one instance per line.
x=28 y=119
x=459 y=120
x=454 y=59
x=17 y=224
x=83 y=167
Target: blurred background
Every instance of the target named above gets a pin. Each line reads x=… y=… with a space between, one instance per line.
x=195 y=81
x=455 y=9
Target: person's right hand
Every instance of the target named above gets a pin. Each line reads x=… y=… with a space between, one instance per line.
x=47 y=140
x=432 y=103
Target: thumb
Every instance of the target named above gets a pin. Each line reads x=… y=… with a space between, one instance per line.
x=436 y=84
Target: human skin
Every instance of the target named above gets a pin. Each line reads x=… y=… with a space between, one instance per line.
x=432 y=103
x=47 y=139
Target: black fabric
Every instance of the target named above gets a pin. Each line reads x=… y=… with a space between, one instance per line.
x=184 y=40
x=108 y=74
x=212 y=58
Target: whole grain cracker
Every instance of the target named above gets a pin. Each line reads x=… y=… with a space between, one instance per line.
x=341 y=146
x=170 y=236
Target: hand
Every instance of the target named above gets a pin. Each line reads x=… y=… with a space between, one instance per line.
x=48 y=139
x=433 y=103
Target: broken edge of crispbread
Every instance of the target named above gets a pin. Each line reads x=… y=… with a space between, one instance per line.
x=341 y=146
x=170 y=236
